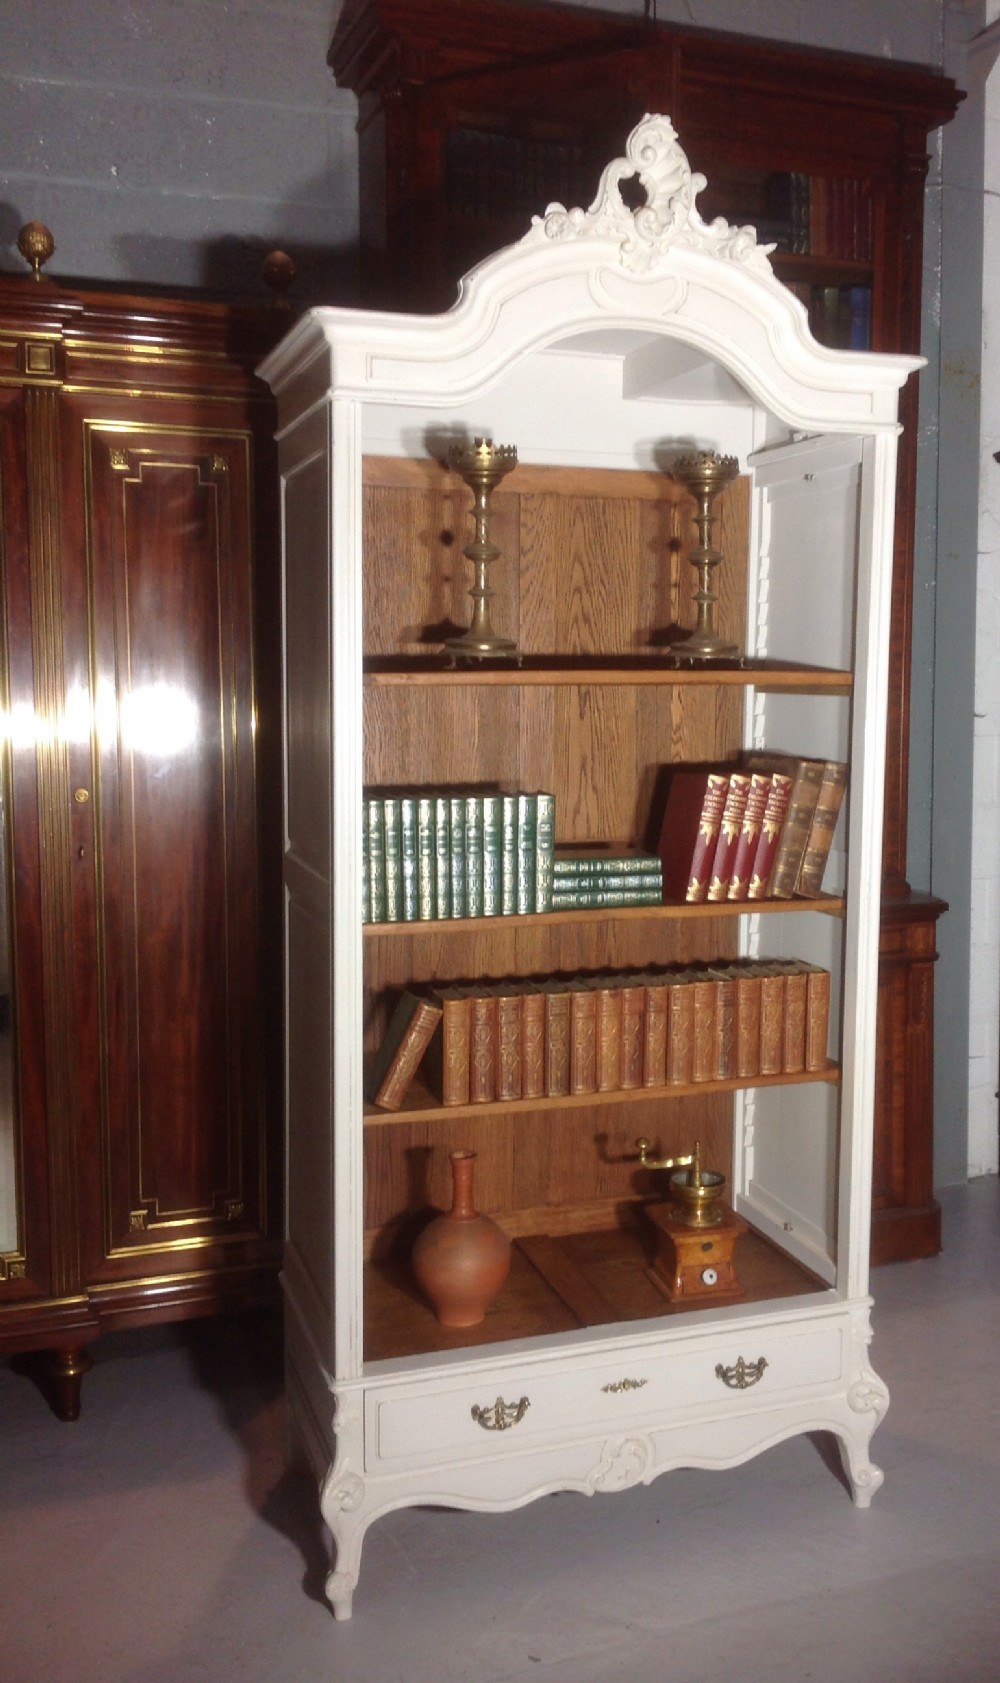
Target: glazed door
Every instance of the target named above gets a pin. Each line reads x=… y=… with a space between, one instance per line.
x=164 y=801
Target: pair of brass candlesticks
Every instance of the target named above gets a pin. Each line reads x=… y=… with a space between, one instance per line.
x=483 y=464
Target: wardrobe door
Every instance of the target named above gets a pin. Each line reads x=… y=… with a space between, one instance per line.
x=167 y=899
x=35 y=1159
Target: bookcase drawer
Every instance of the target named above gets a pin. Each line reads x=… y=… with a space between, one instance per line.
x=508 y=1408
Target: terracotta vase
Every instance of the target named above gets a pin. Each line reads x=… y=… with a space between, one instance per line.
x=461 y=1259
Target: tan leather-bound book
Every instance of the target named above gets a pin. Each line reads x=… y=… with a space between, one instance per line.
x=508 y=1040
x=749 y=837
x=704 y=1058
x=406 y=1040
x=482 y=1063
x=449 y=1055
x=654 y=1031
x=582 y=1038
x=725 y=1022
x=772 y=1016
x=817 y=1017
x=608 y=1033
x=829 y=801
x=747 y=1022
x=680 y=1029
x=532 y=1041
x=633 y=1014
x=730 y=826
x=557 y=1014
x=794 y=1026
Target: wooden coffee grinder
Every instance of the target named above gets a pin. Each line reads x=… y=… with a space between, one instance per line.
x=696 y=1232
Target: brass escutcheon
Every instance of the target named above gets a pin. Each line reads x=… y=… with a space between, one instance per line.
x=742 y=1374
x=625 y=1385
x=501 y=1416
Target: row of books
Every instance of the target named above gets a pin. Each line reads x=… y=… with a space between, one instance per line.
x=590 y=877
x=447 y=853
x=759 y=830
x=484 y=1043
x=823 y=216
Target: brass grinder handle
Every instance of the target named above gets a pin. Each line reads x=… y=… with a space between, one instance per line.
x=648 y=1162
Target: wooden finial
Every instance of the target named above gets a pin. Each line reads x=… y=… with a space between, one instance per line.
x=36 y=245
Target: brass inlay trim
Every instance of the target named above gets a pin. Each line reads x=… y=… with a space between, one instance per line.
x=40 y=358
x=170 y=1247
x=500 y=1416
x=111 y=351
x=106 y=1291
x=47 y=592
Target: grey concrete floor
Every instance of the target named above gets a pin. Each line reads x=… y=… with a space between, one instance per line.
x=161 y=1539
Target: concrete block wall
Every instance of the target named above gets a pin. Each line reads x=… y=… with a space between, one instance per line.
x=177 y=141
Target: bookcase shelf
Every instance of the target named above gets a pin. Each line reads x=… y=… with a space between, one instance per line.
x=822 y=271
x=559 y=1283
x=422 y=1106
x=597 y=365
x=831 y=905
x=751 y=674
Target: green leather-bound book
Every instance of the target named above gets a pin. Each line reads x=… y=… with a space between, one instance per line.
x=392 y=808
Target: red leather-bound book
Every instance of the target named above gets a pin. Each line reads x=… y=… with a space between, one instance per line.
x=730 y=829
x=690 y=831
x=749 y=836
x=806 y=777
x=770 y=834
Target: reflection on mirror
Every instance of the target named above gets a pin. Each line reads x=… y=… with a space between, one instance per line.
x=8 y=1156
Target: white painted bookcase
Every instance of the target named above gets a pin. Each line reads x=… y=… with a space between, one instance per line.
x=600 y=341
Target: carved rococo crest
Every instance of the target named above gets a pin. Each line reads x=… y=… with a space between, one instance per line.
x=668 y=218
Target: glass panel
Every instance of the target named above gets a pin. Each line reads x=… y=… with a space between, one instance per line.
x=810 y=215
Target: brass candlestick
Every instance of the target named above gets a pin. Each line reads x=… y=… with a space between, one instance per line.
x=705 y=475
x=482 y=465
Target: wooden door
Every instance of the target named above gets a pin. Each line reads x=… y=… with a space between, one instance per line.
x=34 y=1155
x=162 y=715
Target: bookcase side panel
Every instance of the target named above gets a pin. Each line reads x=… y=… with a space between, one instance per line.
x=309 y=1262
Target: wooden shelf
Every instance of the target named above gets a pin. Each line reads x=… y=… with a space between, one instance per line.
x=557 y=1284
x=832 y=905
x=385 y=671
x=816 y=269
x=424 y=1107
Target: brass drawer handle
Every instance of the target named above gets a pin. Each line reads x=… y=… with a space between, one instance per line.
x=625 y=1385
x=501 y=1416
x=742 y=1374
